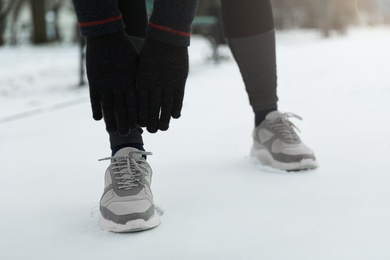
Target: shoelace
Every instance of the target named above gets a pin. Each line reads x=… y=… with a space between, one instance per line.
x=285 y=127
x=127 y=170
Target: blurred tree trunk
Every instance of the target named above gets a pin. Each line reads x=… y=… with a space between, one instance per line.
x=280 y=11
x=325 y=17
x=56 y=10
x=5 y=10
x=2 y=25
x=39 y=22
x=14 y=14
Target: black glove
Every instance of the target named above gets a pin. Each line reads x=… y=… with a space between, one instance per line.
x=161 y=77
x=111 y=70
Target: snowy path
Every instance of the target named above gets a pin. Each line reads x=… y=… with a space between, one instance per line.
x=218 y=203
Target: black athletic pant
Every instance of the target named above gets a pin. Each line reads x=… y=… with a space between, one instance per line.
x=249 y=29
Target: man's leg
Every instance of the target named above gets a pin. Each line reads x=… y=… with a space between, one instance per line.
x=133 y=139
x=127 y=201
x=250 y=33
x=249 y=30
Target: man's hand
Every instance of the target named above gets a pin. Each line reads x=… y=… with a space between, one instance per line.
x=111 y=70
x=161 y=77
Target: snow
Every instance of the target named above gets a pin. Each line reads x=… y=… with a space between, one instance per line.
x=218 y=202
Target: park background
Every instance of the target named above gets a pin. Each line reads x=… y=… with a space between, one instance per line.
x=218 y=203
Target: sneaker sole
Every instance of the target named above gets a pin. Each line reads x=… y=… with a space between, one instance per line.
x=131 y=226
x=265 y=157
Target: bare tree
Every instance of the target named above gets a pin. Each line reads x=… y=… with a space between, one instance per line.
x=11 y=8
x=2 y=26
x=39 y=22
x=55 y=7
x=5 y=9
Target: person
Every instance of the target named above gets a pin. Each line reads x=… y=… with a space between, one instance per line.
x=136 y=84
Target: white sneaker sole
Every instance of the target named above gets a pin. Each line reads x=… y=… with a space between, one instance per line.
x=265 y=157
x=130 y=226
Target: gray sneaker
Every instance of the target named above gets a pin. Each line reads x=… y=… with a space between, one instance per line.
x=127 y=201
x=275 y=143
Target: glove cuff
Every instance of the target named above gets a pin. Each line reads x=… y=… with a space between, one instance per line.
x=111 y=37
x=161 y=46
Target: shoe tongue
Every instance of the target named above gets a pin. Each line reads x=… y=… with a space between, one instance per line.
x=134 y=153
x=274 y=115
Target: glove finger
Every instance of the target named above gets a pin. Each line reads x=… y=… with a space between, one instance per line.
x=143 y=105
x=154 y=112
x=121 y=116
x=178 y=102
x=131 y=103
x=96 y=105
x=166 y=111
x=109 y=112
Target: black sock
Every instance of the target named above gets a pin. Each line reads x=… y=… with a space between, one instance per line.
x=134 y=145
x=260 y=115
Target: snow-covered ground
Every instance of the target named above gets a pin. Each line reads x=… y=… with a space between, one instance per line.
x=218 y=202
